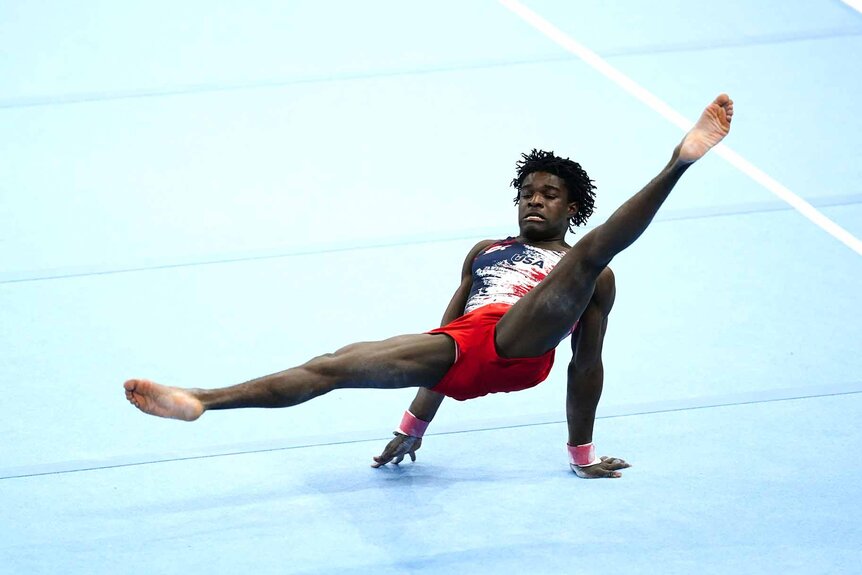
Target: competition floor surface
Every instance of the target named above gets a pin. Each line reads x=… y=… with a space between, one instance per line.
x=205 y=192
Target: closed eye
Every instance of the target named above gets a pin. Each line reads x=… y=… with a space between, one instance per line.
x=526 y=195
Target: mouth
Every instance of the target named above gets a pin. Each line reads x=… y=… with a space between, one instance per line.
x=533 y=217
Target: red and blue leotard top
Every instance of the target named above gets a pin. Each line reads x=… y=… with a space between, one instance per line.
x=506 y=270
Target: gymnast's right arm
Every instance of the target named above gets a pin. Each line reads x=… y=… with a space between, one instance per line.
x=425 y=404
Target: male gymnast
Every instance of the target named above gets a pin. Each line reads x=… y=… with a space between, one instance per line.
x=518 y=299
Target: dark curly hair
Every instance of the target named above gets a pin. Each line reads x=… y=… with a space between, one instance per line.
x=578 y=183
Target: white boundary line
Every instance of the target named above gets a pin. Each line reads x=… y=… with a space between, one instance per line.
x=855 y=4
x=597 y=63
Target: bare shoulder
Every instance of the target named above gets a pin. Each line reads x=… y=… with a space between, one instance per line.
x=477 y=249
x=471 y=255
x=481 y=245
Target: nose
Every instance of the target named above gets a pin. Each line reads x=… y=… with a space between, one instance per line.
x=535 y=200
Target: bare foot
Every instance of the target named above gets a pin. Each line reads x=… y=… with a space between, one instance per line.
x=710 y=129
x=163 y=401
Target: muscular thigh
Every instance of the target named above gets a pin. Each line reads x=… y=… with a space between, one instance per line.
x=541 y=319
x=418 y=360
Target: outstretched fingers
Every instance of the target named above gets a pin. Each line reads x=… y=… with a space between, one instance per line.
x=400 y=458
x=396 y=449
x=614 y=463
x=608 y=467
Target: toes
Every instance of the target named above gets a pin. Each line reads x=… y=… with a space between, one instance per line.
x=133 y=399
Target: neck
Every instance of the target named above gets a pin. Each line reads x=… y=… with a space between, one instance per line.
x=555 y=242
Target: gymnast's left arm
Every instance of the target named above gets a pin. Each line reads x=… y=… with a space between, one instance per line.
x=585 y=381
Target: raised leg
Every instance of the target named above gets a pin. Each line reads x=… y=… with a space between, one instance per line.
x=404 y=361
x=542 y=318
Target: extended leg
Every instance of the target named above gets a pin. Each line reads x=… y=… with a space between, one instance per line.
x=542 y=318
x=404 y=361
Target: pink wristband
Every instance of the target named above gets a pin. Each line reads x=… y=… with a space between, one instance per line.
x=412 y=425
x=583 y=455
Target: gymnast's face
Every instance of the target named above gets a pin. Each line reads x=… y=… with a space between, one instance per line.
x=544 y=208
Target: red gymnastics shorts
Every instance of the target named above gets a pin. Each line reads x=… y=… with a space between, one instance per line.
x=478 y=369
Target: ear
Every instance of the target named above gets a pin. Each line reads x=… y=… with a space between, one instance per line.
x=573 y=208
